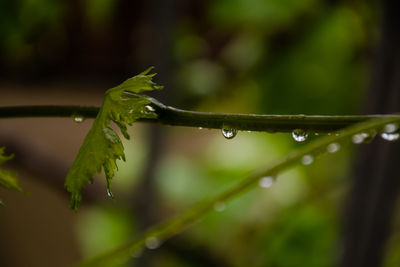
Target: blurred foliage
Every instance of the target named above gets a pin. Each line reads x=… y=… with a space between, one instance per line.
x=227 y=55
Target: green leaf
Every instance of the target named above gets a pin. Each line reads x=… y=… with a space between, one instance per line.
x=102 y=145
x=8 y=179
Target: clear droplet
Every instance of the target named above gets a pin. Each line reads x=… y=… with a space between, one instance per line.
x=137 y=254
x=299 y=135
x=390 y=136
x=390 y=128
x=359 y=138
x=266 y=182
x=110 y=193
x=152 y=242
x=200 y=128
x=219 y=206
x=79 y=119
x=229 y=133
x=316 y=134
x=333 y=148
x=390 y=132
x=150 y=108
x=307 y=159
x=337 y=134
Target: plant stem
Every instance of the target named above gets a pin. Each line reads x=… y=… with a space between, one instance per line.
x=177 y=117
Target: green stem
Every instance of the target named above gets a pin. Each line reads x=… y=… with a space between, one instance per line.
x=177 y=117
x=195 y=213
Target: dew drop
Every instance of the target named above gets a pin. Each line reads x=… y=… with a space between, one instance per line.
x=137 y=254
x=359 y=138
x=299 y=135
x=150 y=108
x=307 y=160
x=219 y=206
x=229 y=133
x=316 y=134
x=390 y=136
x=390 y=128
x=333 y=148
x=200 y=128
x=266 y=182
x=152 y=242
x=79 y=119
x=110 y=193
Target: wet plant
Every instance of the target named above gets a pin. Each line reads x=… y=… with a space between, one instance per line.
x=124 y=105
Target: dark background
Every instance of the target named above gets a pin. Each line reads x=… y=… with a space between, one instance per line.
x=248 y=56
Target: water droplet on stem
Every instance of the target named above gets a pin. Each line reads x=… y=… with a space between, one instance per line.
x=219 y=206
x=266 y=182
x=299 y=135
x=229 y=133
x=152 y=242
x=78 y=119
x=333 y=148
x=307 y=159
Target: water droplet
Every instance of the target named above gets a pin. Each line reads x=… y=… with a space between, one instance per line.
x=110 y=193
x=152 y=242
x=337 y=134
x=390 y=136
x=333 y=148
x=359 y=138
x=229 y=133
x=200 y=128
x=390 y=132
x=316 y=134
x=307 y=159
x=390 y=128
x=79 y=119
x=219 y=206
x=137 y=254
x=150 y=108
x=266 y=182
x=299 y=135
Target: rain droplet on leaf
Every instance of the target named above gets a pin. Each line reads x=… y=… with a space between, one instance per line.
x=299 y=135
x=359 y=138
x=150 y=108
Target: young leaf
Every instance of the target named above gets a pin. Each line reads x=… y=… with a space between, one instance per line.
x=102 y=145
x=8 y=179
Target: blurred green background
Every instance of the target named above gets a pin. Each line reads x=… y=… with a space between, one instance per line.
x=247 y=56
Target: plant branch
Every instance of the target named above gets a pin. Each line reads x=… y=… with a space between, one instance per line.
x=177 y=117
x=195 y=213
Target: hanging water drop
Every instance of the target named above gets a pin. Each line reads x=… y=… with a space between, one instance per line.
x=359 y=138
x=390 y=136
x=219 y=206
x=110 y=193
x=152 y=242
x=150 y=108
x=390 y=128
x=333 y=148
x=266 y=182
x=229 y=133
x=299 y=135
x=79 y=119
x=390 y=132
x=307 y=159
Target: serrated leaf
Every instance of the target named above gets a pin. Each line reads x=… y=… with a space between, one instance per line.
x=8 y=179
x=102 y=145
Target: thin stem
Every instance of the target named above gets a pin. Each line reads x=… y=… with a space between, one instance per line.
x=176 y=225
x=177 y=117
